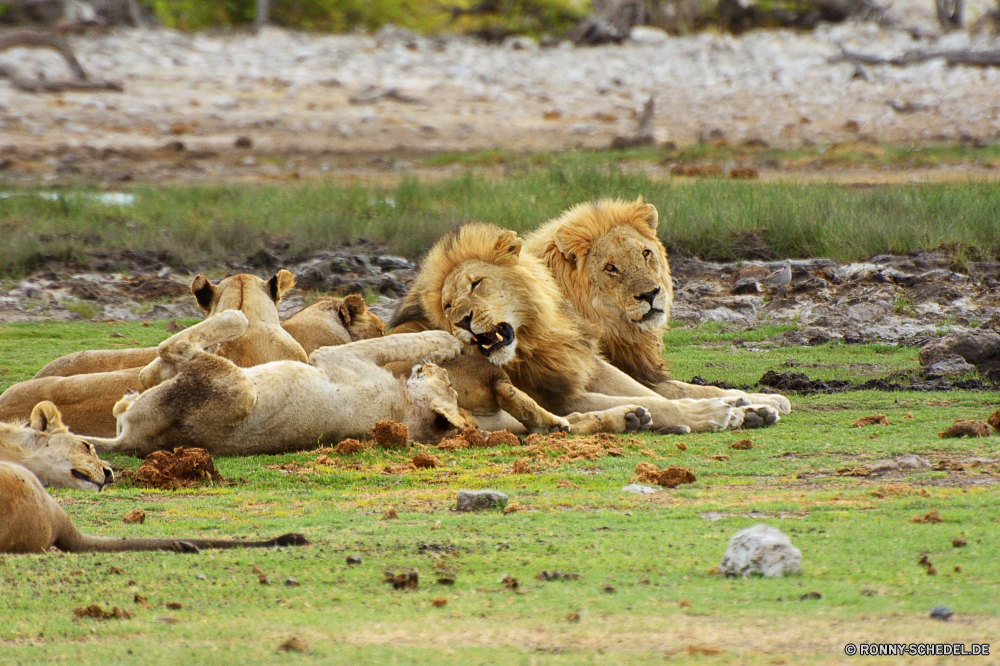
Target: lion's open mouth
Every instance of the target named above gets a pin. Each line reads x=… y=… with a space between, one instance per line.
x=498 y=338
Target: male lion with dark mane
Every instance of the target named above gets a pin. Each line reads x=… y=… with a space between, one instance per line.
x=607 y=260
x=476 y=284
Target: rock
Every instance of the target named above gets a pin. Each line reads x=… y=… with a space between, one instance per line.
x=941 y=613
x=648 y=35
x=761 y=550
x=951 y=365
x=745 y=286
x=477 y=500
x=978 y=347
x=883 y=467
x=520 y=43
x=911 y=461
x=639 y=489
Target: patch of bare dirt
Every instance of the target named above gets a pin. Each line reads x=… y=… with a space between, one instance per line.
x=96 y=612
x=671 y=477
x=874 y=419
x=180 y=468
x=966 y=428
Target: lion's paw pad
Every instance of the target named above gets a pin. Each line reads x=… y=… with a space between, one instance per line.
x=638 y=420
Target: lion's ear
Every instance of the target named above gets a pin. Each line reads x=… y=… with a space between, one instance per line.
x=649 y=215
x=352 y=308
x=568 y=245
x=450 y=411
x=204 y=292
x=509 y=243
x=279 y=283
x=45 y=417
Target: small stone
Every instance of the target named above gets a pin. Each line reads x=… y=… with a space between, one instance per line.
x=883 y=467
x=291 y=582
x=353 y=559
x=201 y=576
x=639 y=489
x=911 y=461
x=941 y=613
x=761 y=550
x=477 y=500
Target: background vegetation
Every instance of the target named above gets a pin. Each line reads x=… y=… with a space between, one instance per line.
x=718 y=219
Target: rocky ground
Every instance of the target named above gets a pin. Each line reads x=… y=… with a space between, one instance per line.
x=907 y=300
x=279 y=104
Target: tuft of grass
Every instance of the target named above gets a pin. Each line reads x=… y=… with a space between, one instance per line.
x=201 y=226
x=82 y=308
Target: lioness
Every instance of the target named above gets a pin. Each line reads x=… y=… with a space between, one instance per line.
x=32 y=522
x=207 y=401
x=86 y=400
x=476 y=284
x=51 y=452
x=608 y=262
x=333 y=321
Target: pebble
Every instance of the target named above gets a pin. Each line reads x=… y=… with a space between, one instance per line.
x=477 y=500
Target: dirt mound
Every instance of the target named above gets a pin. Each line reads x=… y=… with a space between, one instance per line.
x=670 y=477
x=874 y=419
x=966 y=428
x=349 y=446
x=180 y=468
x=473 y=436
x=994 y=420
x=391 y=435
x=425 y=461
x=501 y=438
x=98 y=613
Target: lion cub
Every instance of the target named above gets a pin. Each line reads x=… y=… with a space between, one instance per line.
x=207 y=401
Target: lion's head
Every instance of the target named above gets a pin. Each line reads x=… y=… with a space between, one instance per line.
x=608 y=254
x=51 y=452
x=264 y=340
x=435 y=403
x=476 y=284
x=334 y=321
x=608 y=262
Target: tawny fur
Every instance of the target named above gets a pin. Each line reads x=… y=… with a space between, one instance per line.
x=609 y=263
x=32 y=522
x=47 y=448
x=333 y=321
x=209 y=402
x=86 y=400
x=476 y=284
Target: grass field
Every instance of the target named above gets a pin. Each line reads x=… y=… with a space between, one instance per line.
x=199 y=226
x=647 y=591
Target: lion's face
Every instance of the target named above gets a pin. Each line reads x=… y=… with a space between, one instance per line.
x=59 y=458
x=435 y=403
x=360 y=323
x=480 y=301
x=629 y=278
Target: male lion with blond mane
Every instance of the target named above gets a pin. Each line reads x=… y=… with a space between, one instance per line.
x=607 y=260
x=476 y=284
x=86 y=400
x=32 y=522
x=47 y=448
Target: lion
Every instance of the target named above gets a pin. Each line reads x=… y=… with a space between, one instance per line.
x=610 y=265
x=333 y=321
x=86 y=400
x=47 y=448
x=505 y=305
x=32 y=522
x=207 y=401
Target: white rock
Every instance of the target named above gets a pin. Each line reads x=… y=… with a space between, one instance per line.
x=648 y=36
x=639 y=489
x=761 y=550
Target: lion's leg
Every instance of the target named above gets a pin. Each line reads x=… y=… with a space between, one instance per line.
x=427 y=347
x=696 y=415
x=526 y=411
x=609 y=380
x=674 y=390
x=187 y=344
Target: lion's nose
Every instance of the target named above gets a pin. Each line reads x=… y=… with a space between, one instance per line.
x=649 y=296
x=466 y=323
x=109 y=476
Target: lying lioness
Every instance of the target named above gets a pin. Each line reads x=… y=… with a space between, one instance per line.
x=52 y=453
x=86 y=400
x=32 y=522
x=207 y=401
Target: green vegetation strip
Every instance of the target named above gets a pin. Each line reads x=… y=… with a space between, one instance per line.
x=198 y=226
x=646 y=589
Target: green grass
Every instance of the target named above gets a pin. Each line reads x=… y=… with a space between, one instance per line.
x=201 y=226
x=860 y=551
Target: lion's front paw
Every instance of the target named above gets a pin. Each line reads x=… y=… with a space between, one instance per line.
x=759 y=416
x=638 y=420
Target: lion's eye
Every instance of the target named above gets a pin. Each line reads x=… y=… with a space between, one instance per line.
x=611 y=268
x=647 y=253
x=475 y=284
